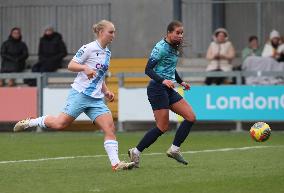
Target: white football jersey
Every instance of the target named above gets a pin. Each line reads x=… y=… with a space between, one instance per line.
x=96 y=58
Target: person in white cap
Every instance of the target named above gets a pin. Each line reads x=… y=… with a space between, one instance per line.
x=220 y=53
x=270 y=48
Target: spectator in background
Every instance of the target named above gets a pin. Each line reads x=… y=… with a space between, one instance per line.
x=220 y=53
x=270 y=48
x=14 y=53
x=51 y=51
x=252 y=49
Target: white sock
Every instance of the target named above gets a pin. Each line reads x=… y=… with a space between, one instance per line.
x=111 y=147
x=38 y=122
x=136 y=151
x=174 y=148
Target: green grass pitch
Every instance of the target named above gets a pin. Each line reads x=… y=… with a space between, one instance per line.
x=75 y=162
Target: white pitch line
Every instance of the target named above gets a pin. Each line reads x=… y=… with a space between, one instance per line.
x=145 y=154
x=51 y=158
x=220 y=150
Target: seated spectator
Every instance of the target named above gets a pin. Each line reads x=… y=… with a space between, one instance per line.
x=51 y=52
x=220 y=53
x=270 y=48
x=14 y=53
x=252 y=49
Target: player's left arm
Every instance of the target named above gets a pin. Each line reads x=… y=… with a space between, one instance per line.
x=77 y=64
x=74 y=66
x=186 y=85
x=108 y=94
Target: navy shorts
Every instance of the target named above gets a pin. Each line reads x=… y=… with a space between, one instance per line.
x=160 y=96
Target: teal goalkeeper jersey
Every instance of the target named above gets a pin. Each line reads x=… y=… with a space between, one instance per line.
x=167 y=58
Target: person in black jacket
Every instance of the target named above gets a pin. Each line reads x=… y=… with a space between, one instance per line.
x=51 y=51
x=14 y=53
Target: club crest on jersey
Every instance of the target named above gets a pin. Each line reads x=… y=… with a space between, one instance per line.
x=79 y=53
x=101 y=66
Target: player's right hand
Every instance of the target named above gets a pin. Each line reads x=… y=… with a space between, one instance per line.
x=90 y=72
x=109 y=95
x=169 y=83
x=186 y=86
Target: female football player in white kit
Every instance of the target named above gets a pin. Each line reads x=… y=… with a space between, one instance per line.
x=87 y=93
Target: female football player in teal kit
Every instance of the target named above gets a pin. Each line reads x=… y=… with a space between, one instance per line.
x=161 y=68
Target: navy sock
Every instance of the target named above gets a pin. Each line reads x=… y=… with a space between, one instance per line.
x=182 y=132
x=149 y=138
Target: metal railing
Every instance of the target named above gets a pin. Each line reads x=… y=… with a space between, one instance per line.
x=42 y=80
x=233 y=74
